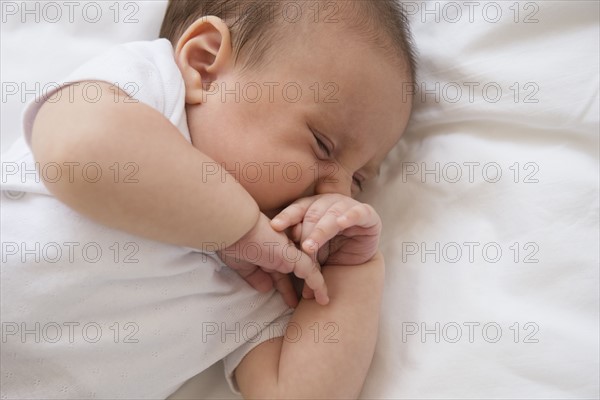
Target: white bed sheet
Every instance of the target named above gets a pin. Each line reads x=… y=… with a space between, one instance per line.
x=527 y=329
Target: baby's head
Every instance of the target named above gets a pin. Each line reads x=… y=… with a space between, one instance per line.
x=294 y=98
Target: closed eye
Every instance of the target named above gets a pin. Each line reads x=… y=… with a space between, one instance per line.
x=325 y=149
x=358 y=183
x=323 y=146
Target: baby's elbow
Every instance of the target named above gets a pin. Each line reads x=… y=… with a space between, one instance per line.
x=54 y=151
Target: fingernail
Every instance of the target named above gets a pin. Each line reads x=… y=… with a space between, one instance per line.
x=277 y=221
x=310 y=244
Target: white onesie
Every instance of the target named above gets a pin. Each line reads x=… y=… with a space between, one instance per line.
x=88 y=311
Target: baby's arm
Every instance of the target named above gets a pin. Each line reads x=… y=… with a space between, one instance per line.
x=307 y=362
x=168 y=198
x=318 y=365
x=154 y=183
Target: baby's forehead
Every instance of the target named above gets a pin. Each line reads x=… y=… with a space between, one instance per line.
x=350 y=22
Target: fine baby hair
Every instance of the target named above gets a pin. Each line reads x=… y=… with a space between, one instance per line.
x=258 y=27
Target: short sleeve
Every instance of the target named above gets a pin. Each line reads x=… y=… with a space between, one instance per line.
x=271 y=331
x=146 y=71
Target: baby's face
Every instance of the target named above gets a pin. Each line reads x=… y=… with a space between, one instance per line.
x=319 y=118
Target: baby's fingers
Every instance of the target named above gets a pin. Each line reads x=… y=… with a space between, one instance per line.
x=325 y=229
x=311 y=273
x=291 y=215
x=361 y=215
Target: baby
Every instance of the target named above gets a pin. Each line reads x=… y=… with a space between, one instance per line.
x=239 y=138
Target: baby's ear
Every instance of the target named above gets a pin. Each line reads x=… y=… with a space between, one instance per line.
x=202 y=53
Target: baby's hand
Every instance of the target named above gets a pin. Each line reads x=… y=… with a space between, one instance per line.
x=264 y=256
x=333 y=228
x=337 y=228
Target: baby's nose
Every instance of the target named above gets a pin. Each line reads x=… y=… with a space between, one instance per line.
x=336 y=183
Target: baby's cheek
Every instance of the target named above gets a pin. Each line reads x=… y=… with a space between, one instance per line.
x=270 y=200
